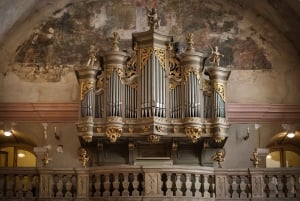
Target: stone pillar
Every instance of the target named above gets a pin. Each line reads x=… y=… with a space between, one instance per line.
x=46 y=183
x=82 y=183
x=257 y=183
x=152 y=184
x=221 y=185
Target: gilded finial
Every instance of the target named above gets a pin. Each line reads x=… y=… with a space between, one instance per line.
x=190 y=42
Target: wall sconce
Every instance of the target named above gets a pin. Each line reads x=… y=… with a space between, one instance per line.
x=290 y=135
x=56 y=135
x=7 y=133
x=246 y=137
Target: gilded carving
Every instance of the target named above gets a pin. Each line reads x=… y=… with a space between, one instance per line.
x=153 y=138
x=146 y=128
x=219 y=157
x=220 y=89
x=46 y=159
x=111 y=68
x=113 y=133
x=190 y=69
x=159 y=53
x=255 y=159
x=130 y=129
x=194 y=133
x=174 y=65
x=83 y=157
x=219 y=139
x=86 y=86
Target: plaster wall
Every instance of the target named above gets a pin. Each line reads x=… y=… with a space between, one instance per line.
x=263 y=60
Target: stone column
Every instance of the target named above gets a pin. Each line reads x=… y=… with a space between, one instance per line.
x=82 y=183
x=46 y=183
x=152 y=184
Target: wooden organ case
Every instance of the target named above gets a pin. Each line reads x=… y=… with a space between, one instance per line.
x=154 y=104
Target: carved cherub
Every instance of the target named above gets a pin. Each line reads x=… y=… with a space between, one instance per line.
x=219 y=157
x=92 y=56
x=84 y=157
x=215 y=56
x=153 y=19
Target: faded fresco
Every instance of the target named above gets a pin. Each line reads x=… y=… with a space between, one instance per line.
x=64 y=40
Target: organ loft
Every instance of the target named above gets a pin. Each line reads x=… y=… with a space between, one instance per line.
x=153 y=103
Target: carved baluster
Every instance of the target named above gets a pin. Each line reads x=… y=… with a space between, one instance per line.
x=212 y=186
x=197 y=185
x=297 y=179
x=178 y=185
x=284 y=185
x=234 y=187
x=115 y=183
x=97 y=184
x=68 y=185
x=230 y=189
x=29 y=187
x=280 y=187
x=10 y=186
x=243 y=186
x=135 y=183
x=238 y=182
x=266 y=187
x=206 y=194
x=273 y=185
x=188 y=185
x=19 y=186
x=292 y=186
x=2 y=182
x=125 y=185
x=169 y=184
x=59 y=184
x=107 y=185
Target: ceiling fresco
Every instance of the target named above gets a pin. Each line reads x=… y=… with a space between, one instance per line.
x=62 y=41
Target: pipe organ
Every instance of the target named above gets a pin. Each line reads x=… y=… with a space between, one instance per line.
x=153 y=92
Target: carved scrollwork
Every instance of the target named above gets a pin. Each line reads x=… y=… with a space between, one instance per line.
x=113 y=133
x=153 y=138
x=159 y=53
x=86 y=86
x=190 y=69
x=220 y=89
x=194 y=133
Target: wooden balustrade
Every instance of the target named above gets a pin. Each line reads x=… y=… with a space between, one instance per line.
x=149 y=183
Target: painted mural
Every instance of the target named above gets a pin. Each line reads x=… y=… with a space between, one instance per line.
x=64 y=40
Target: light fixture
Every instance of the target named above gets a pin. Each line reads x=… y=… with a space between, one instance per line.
x=21 y=155
x=269 y=156
x=290 y=135
x=7 y=133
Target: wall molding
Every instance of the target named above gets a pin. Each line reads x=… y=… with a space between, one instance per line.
x=69 y=112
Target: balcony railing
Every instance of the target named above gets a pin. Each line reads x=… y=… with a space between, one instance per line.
x=149 y=183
